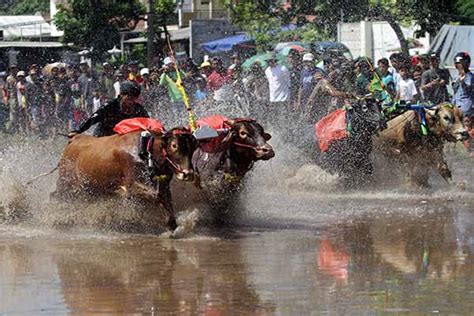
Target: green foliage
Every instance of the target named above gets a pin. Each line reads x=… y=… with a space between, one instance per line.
x=96 y=24
x=466 y=9
x=19 y=7
x=264 y=23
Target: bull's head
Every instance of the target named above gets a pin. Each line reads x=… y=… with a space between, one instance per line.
x=367 y=117
x=179 y=145
x=446 y=121
x=249 y=140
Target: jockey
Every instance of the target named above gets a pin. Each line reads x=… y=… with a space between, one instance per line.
x=126 y=106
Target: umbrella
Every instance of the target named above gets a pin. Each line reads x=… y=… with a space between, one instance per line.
x=259 y=58
x=285 y=51
x=47 y=69
x=262 y=60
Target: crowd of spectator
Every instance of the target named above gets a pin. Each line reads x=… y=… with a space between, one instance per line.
x=48 y=100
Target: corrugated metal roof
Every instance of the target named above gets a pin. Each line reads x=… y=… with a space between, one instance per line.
x=24 y=26
x=30 y=44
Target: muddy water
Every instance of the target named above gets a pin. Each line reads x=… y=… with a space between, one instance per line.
x=298 y=247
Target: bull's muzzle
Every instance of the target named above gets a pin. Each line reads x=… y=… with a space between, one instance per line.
x=185 y=175
x=461 y=135
x=264 y=152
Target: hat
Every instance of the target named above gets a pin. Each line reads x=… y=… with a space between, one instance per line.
x=144 y=71
x=32 y=72
x=462 y=56
x=308 y=57
x=106 y=64
x=83 y=63
x=129 y=88
x=167 y=61
x=434 y=55
x=21 y=73
x=205 y=64
x=235 y=55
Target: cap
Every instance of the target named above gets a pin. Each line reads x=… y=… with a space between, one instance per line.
x=129 y=88
x=144 y=71
x=32 y=72
x=235 y=55
x=21 y=73
x=205 y=64
x=434 y=55
x=167 y=61
x=83 y=63
x=117 y=73
x=462 y=56
x=308 y=57
x=106 y=64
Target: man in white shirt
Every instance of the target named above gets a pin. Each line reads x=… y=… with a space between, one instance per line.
x=278 y=77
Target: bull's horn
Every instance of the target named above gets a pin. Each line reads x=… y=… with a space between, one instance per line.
x=230 y=122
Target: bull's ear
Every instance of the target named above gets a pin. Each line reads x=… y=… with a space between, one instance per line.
x=267 y=136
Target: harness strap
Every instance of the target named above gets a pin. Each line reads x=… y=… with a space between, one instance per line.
x=171 y=162
x=245 y=145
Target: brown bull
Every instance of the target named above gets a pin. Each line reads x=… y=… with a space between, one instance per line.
x=92 y=166
x=404 y=141
x=221 y=169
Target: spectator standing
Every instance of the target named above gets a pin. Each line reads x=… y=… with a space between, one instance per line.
x=279 y=85
x=463 y=84
x=78 y=111
x=33 y=91
x=118 y=77
x=86 y=84
x=406 y=89
x=107 y=80
x=307 y=82
x=23 y=119
x=11 y=99
x=364 y=76
x=219 y=82
x=434 y=81
x=386 y=78
x=134 y=74
x=396 y=59
x=47 y=105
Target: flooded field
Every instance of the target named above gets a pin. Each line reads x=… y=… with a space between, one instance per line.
x=298 y=246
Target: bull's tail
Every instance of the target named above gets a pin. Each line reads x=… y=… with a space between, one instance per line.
x=41 y=175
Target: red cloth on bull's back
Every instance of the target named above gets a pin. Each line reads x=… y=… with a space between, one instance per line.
x=139 y=124
x=217 y=122
x=330 y=128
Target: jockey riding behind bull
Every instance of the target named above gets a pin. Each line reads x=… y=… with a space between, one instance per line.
x=126 y=106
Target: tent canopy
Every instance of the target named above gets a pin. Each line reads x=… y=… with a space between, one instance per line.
x=225 y=44
x=451 y=40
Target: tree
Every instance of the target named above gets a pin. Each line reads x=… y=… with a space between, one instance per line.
x=18 y=7
x=465 y=8
x=163 y=13
x=96 y=24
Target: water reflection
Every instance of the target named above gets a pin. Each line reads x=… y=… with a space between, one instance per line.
x=378 y=263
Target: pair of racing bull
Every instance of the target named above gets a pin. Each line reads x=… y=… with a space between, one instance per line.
x=344 y=140
x=103 y=166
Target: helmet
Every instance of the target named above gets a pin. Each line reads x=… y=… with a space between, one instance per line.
x=462 y=57
x=129 y=88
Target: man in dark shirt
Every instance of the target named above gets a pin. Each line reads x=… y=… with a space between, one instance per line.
x=434 y=81
x=124 y=107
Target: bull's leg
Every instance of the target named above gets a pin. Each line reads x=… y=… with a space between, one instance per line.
x=164 y=195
